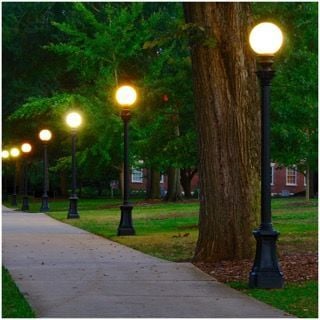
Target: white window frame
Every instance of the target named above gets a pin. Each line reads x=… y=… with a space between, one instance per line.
x=272 y=165
x=296 y=176
x=161 y=178
x=134 y=173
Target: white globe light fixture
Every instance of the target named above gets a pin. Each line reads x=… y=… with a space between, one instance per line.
x=73 y=120
x=126 y=96
x=266 y=39
x=45 y=135
x=26 y=147
x=14 y=152
x=5 y=154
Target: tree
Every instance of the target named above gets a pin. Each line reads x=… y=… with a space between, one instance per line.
x=295 y=87
x=227 y=118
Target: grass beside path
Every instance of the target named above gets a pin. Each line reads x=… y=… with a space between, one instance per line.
x=14 y=305
x=299 y=299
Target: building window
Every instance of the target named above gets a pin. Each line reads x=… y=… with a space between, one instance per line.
x=161 y=178
x=137 y=175
x=291 y=177
x=272 y=173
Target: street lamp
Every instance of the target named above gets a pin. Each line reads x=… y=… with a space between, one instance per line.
x=126 y=97
x=26 y=149
x=73 y=120
x=5 y=154
x=265 y=40
x=14 y=153
x=45 y=135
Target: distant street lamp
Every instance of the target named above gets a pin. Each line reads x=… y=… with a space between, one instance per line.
x=14 y=153
x=265 y=40
x=73 y=120
x=26 y=149
x=45 y=135
x=5 y=154
x=126 y=97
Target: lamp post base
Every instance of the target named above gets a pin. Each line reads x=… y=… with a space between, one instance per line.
x=265 y=273
x=125 y=227
x=73 y=208
x=25 y=204
x=44 y=204
x=14 y=200
x=5 y=196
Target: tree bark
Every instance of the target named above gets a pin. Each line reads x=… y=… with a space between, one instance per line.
x=228 y=122
x=174 y=188
x=63 y=184
x=309 y=184
x=185 y=180
x=153 y=186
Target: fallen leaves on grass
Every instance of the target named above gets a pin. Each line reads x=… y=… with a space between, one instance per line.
x=295 y=267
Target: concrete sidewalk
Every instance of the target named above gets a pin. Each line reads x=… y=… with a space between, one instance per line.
x=66 y=272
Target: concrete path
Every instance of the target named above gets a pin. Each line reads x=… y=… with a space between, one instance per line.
x=65 y=272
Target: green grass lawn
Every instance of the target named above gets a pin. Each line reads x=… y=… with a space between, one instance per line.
x=169 y=231
x=299 y=299
x=14 y=304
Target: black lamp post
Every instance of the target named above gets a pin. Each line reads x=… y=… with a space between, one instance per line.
x=14 y=153
x=45 y=136
x=265 y=40
x=26 y=149
x=126 y=97
x=5 y=154
x=73 y=120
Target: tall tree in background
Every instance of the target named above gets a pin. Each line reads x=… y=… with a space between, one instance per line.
x=227 y=116
x=294 y=110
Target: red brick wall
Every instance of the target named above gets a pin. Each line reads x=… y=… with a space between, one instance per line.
x=280 y=182
x=277 y=188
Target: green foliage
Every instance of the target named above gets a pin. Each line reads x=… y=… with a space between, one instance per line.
x=81 y=51
x=14 y=305
x=295 y=87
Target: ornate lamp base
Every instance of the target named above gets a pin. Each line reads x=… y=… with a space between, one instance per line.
x=266 y=272
x=25 y=204
x=14 y=200
x=44 y=204
x=73 y=208
x=125 y=227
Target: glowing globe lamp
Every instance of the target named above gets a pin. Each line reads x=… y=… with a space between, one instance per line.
x=266 y=39
x=73 y=120
x=126 y=96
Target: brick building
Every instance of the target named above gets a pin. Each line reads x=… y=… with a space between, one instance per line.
x=284 y=181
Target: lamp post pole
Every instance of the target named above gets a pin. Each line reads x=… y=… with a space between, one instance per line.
x=25 y=199
x=15 y=152
x=73 y=120
x=45 y=136
x=265 y=272
x=44 y=199
x=26 y=148
x=4 y=155
x=125 y=227
x=126 y=96
x=14 y=193
x=73 y=200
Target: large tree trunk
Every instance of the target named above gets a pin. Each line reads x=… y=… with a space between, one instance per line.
x=309 y=184
x=185 y=179
x=174 y=188
x=228 y=122
x=63 y=184
x=153 y=186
